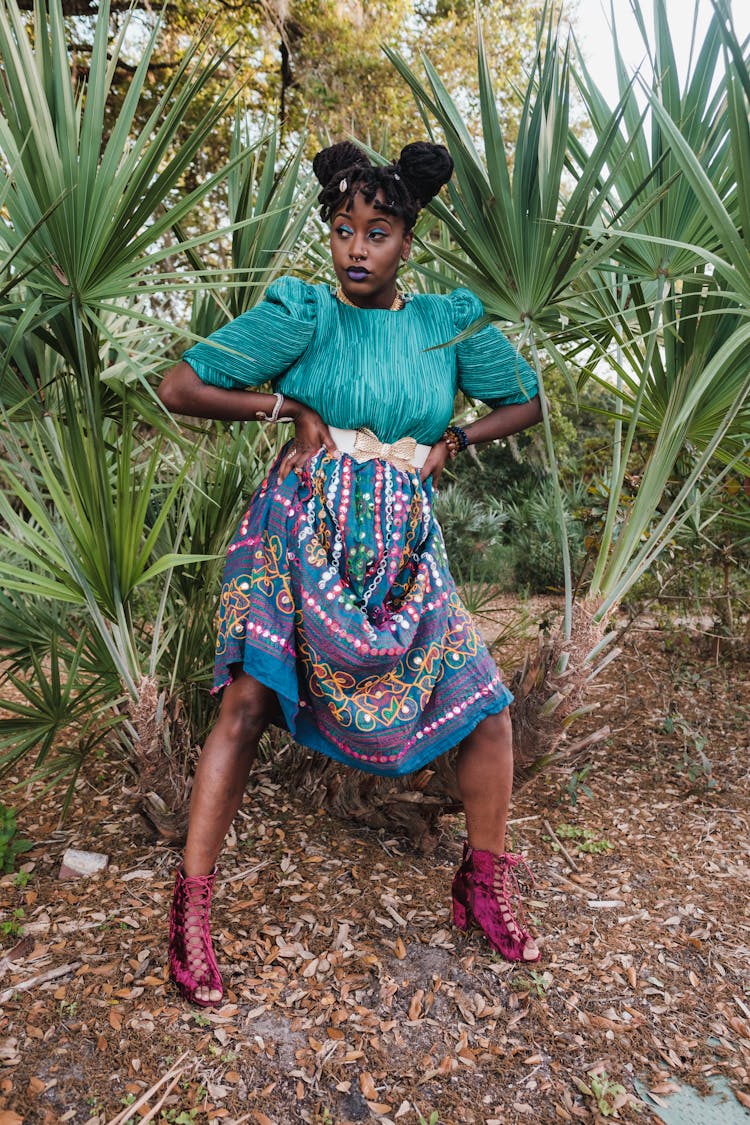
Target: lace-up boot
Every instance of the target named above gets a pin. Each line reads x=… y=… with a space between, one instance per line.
x=484 y=888
x=192 y=964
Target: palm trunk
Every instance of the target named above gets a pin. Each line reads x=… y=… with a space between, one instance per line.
x=161 y=753
x=551 y=691
x=406 y=807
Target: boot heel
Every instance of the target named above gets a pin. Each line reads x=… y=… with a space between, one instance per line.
x=460 y=920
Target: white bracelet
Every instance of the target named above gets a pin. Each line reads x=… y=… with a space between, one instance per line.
x=273 y=417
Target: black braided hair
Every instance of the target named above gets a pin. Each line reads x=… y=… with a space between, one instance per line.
x=407 y=185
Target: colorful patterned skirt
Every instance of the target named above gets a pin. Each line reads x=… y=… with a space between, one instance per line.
x=337 y=595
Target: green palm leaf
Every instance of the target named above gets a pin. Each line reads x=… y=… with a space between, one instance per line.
x=91 y=206
x=524 y=243
x=683 y=378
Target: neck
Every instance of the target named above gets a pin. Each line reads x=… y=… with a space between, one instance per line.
x=390 y=301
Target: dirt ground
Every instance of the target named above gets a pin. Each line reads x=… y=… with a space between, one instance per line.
x=350 y=998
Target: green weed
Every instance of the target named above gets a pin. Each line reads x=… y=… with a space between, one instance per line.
x=218 y=1053
x=532 y=982
x=13 y=926
x=697 y=765
x=576 y=784
x=10 y=845
x=433 y=1119
x=126 y=1100
x=608 y=1095
x=584 y=839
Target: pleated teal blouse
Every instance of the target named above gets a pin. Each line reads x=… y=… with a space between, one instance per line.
x=366 y=367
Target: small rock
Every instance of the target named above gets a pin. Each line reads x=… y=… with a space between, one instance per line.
x=77 y=864
x=355 y=1107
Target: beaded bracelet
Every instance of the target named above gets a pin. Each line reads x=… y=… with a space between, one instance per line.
x=456 y=440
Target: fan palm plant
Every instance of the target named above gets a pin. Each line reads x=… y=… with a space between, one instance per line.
x=269 y=207
x=79 y=533
x=525 y=247
x=678 y=314
x=622 y=248
x=110 y=197
x=643 y=252
x=96 y=507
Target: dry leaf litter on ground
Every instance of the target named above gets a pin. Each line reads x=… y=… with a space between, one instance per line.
x=350 y=998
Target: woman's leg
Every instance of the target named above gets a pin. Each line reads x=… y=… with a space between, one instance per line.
x=223 y=769
x=220 y=778
x=485 y=779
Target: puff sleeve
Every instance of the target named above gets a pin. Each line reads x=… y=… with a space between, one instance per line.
x=262 y=343
x=489 y=367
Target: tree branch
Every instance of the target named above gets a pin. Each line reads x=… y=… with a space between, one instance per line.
x=82 y=49
x=82 y=7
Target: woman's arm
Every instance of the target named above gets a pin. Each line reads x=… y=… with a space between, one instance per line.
x=499 y=423
x=505 y=420
x=183 y=392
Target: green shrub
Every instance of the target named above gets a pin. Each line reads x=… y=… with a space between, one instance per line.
x=512 y=543
x=534 y=541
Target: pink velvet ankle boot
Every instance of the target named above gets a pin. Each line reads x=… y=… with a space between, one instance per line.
x=483 y=889
x=192 y=964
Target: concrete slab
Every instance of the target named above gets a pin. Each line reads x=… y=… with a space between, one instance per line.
x=688 y=1107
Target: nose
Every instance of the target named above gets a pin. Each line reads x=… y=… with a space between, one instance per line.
x=357 y=249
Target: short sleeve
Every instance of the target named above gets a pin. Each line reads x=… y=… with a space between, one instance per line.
x=262 y=343
x=489 y=367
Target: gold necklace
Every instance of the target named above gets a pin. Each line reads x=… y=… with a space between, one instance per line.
x=398 y=301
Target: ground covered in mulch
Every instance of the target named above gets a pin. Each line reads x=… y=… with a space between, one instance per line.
x=351 y=998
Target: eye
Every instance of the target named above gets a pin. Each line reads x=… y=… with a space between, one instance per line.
x=344 y=230
x=377 y=232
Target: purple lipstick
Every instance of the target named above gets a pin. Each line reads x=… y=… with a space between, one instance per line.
x=357 y=273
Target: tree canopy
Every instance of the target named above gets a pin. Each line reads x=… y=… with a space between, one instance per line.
x=319 y=63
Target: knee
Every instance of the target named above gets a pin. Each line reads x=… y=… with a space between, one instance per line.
x=244 y=714
x=499 y=731
x=499 y=725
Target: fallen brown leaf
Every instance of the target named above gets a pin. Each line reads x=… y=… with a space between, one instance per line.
x=367 y=1086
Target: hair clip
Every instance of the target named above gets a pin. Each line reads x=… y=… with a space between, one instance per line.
x=396 y=176
x=343 y=185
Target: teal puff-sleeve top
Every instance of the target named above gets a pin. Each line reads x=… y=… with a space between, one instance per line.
x=394 y=372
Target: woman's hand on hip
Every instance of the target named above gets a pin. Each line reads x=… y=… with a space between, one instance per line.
x=435 y=462
x=310 y=433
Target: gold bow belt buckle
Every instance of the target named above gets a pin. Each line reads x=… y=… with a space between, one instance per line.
x=399 y=453
x=363 y=445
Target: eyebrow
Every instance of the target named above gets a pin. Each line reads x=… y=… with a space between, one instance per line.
x=375 y=219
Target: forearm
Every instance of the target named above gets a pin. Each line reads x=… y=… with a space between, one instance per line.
x=182 y=392
x=499 y=423
x=504 y=420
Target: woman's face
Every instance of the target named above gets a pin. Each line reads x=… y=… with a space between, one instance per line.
x=367 y=247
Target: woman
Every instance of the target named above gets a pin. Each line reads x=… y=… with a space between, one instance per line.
x=337 y=608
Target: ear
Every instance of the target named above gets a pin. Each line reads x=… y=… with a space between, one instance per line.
x=406 y=246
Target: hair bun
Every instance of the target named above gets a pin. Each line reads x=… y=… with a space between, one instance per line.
x=333 y=160
x=425 y=167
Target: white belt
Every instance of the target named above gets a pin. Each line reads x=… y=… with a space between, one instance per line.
x=364 y=445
